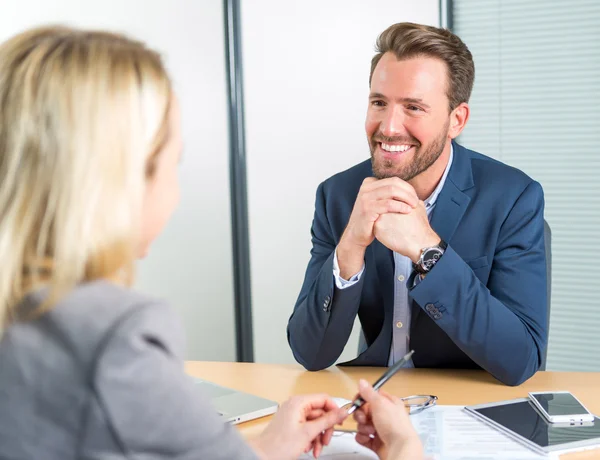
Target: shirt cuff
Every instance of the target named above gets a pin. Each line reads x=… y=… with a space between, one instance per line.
x=417 y=279
x=340 y=282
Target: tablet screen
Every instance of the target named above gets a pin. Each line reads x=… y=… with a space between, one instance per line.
x=523 y=419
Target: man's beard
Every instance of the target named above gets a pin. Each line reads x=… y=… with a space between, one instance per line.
x=420 y=162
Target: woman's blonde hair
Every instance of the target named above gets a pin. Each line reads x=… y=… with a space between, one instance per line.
x=83 y=115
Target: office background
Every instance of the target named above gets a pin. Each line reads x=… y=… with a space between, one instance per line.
x=536 y=105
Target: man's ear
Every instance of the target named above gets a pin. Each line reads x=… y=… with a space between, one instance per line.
x=458 y=120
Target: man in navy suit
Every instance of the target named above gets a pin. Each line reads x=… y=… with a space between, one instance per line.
x=435 y=247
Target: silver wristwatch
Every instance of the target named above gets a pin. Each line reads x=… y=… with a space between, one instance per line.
x=429 y=257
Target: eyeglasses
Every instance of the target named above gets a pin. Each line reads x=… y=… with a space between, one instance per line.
x=415 y=403
x=418 y=403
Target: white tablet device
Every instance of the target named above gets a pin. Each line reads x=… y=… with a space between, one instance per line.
x=520 y=419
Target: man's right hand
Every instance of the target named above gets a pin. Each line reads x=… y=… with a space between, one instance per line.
x=375 y=197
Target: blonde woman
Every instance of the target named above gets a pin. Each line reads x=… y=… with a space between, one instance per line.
x=90 y=369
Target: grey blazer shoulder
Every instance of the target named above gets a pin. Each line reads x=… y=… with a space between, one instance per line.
x=100 y=376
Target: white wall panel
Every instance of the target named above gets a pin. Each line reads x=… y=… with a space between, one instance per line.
x=306 y=70
x=190 y=264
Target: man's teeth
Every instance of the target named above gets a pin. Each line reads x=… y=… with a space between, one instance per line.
x=395 y=148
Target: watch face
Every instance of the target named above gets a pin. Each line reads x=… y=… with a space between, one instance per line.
x=431 y=257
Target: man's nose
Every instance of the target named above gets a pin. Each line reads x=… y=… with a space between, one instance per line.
x=393 y=122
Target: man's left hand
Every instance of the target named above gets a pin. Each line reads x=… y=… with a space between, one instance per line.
x=406 y=234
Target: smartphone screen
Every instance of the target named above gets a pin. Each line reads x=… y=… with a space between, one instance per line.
x=556 y=404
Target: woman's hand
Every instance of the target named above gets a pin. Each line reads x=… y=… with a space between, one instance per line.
x=301 y=424
x=385 y=427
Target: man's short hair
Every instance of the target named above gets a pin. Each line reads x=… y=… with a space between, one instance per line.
x=407 y=40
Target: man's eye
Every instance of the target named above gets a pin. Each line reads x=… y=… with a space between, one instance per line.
x=377 y=103
x=414 y=108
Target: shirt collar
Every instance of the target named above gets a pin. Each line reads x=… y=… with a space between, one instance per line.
x=430 y=201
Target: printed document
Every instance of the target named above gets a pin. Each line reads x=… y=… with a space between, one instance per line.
x=448 y=433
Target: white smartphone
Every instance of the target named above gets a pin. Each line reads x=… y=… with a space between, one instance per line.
x=560 y=407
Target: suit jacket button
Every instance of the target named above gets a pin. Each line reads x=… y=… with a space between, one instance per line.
x=430 y=307
x=438 y=315
x=327 y=304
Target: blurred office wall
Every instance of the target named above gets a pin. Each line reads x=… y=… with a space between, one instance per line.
x=190 y=264
x=306 y=70
x=306 y=67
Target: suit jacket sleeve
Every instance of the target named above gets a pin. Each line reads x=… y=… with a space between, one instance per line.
x=501 y=326
x=154 y=410
x=323 y=315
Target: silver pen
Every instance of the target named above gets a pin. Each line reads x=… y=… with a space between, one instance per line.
x=384 y=378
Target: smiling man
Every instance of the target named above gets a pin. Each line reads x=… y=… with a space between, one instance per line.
x=435 y=247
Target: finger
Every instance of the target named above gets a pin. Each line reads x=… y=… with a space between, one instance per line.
x=317 y=401
x=342 y=415
x=369 y=184
x=394 y=399
x=366 y=429
x=363 y=440
x=394 y=182
x=330 y=405
x=389 y=206
x=385 y=393
x=367 y=392
x=317 y=447
x=393 y=192
x=368 y=181
x=315 y=413
x=360 y=416
x=326 y=437
x=326 y=421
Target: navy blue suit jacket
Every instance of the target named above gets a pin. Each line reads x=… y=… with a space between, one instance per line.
x=483 y=305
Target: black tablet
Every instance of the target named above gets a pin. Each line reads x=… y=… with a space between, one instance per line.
x=520 y=419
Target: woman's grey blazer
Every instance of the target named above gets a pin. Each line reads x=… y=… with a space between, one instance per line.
x=101 y=376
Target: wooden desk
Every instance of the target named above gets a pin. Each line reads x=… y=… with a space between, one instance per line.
x=279 y=382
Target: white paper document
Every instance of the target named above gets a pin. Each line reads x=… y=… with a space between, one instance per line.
x=343 y=446
x=449 y=433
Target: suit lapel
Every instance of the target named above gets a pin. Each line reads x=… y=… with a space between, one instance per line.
x=449 y=210
x=452 y=202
